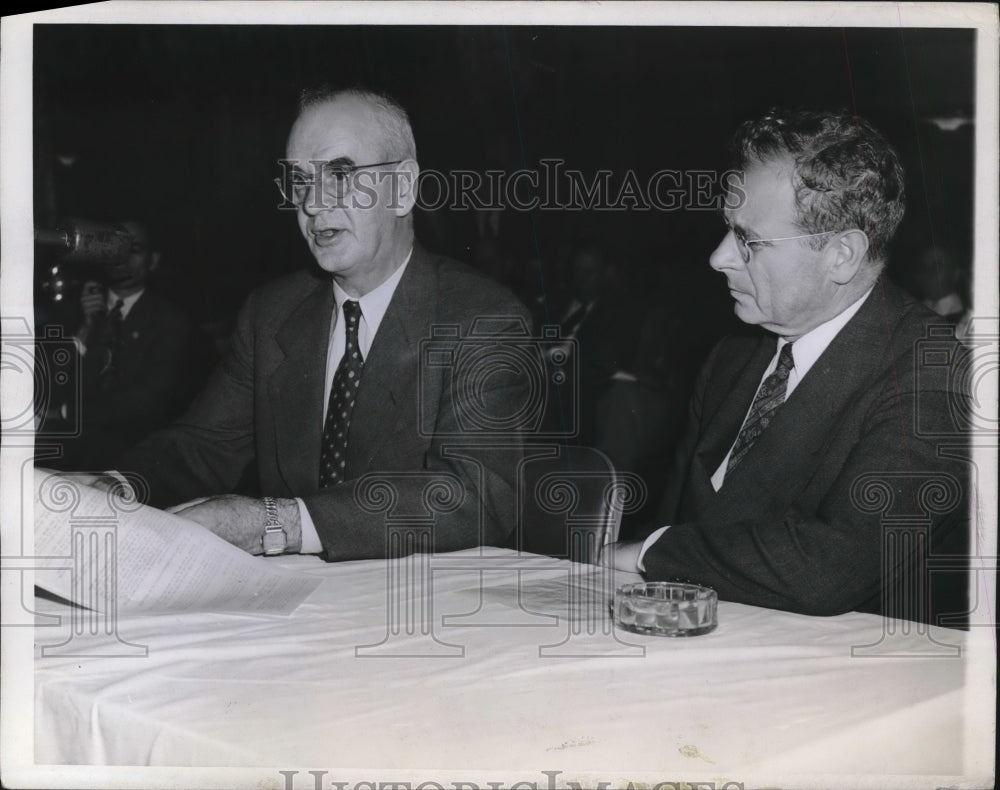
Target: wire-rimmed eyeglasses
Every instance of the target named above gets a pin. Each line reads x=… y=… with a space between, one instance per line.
x=743 y=243
x=333 y=181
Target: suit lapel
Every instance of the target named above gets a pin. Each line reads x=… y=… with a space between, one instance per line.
x=388 y=400
x=137 y=325
x=783 y=455
x=296 y=388
x=728 y=398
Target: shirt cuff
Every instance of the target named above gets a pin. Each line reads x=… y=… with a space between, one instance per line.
x=646 y=544
x=310 y=538
x=122 y=481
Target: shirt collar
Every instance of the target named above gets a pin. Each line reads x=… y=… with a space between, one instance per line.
x=375 y=302
x=808 y=348
x=127 y=301
x=946 y=305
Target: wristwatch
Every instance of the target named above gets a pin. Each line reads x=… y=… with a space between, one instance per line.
x=274 y=540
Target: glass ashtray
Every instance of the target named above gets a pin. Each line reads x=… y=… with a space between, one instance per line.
x=665 y=609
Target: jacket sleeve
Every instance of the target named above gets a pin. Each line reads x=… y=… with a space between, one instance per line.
x=835 y=555
x=205 y=451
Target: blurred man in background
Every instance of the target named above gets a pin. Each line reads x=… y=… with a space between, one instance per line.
x=137 y=357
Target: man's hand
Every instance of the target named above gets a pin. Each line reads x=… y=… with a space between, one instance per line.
x=93 y=304
x=622 y=556
x=240 y=520
x=102 y=481
x=92 y=301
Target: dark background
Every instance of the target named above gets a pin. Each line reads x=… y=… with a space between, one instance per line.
x=185 y=124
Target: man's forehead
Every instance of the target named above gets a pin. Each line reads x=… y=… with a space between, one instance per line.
x=343 y=128
x=763 y=191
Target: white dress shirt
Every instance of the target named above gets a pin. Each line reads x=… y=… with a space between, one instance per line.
x=805 y=351
x=127 y=301
x=373 y=308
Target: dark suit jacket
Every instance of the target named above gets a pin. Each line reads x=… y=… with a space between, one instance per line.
x=266 y=402
x=151 y=384
x=798 y=524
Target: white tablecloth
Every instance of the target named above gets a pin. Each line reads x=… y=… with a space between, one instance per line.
x=483 y=687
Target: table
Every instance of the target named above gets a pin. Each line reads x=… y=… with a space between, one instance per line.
x=486 y=665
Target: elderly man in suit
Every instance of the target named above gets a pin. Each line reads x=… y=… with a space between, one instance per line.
x=796 y=424
x=326 y=380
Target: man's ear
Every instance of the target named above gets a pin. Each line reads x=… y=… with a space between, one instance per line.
x=154 y=262
x=845 y=255
x=404 y=187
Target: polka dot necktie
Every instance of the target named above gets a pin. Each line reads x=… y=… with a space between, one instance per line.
x=769 y=397
x=333 y=459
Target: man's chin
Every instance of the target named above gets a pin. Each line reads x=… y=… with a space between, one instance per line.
x=328 y=261
x=746 y=312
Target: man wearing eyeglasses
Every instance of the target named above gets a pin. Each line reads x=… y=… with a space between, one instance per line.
x=800 y=429
x=326 y=381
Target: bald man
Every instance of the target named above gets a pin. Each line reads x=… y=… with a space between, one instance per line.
x=326 y=381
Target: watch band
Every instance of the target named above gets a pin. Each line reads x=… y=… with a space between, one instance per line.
x=274 y=540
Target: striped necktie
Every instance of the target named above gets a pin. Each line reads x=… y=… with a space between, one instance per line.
x=769 y=397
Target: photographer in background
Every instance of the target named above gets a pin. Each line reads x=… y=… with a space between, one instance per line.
x=137 y=352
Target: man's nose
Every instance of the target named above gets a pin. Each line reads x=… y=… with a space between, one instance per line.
x=322 y=199
x=726 y=255
x=315 y=201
